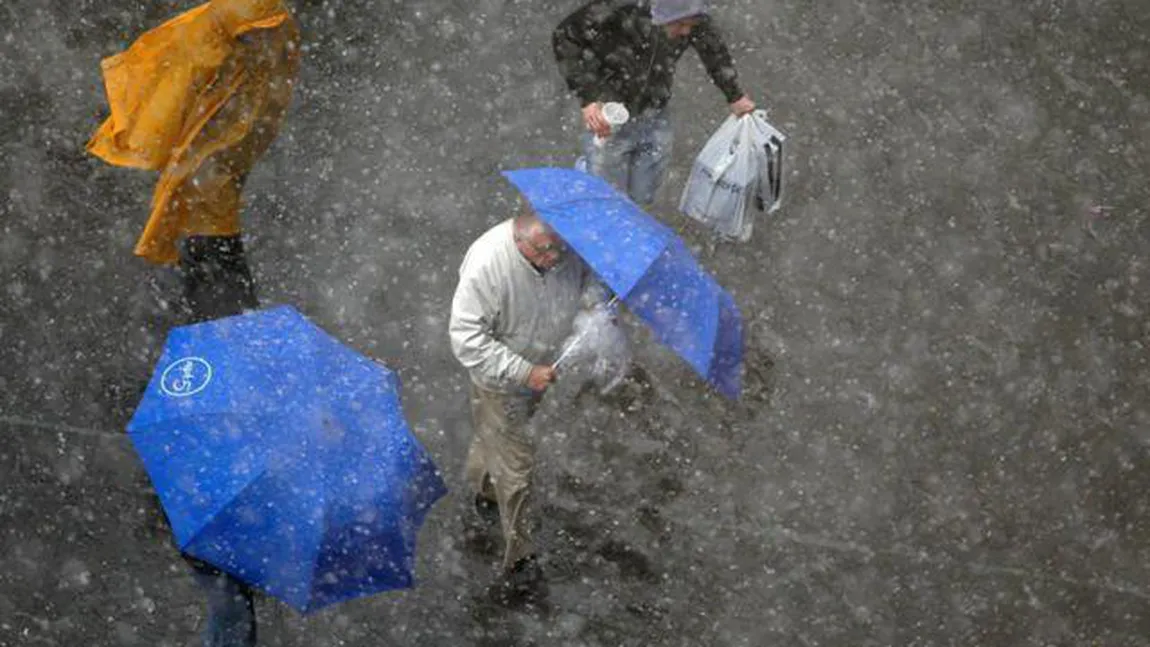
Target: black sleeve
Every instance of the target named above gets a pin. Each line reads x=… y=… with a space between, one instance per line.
x=574 y=44
x=707 y=41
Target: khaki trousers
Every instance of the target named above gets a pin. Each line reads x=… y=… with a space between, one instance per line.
x=500 y=463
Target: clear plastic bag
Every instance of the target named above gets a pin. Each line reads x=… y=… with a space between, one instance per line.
x=597 y=348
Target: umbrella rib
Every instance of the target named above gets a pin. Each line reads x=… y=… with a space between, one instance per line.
x=208 y=519
x=666 y=235
x=564 y=203
x=152 y=424
x=322 y=534
x=659 y=227
x=143 y=431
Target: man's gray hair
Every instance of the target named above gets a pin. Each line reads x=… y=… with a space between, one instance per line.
x=666 y=11
x=527 y=221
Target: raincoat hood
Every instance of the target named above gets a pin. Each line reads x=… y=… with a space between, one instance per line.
x=239 y=16
x=154 y=87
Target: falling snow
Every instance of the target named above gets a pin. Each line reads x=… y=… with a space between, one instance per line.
x=945 y=432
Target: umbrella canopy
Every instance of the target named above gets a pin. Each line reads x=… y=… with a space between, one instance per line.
x=647 y=265
x=282 y=457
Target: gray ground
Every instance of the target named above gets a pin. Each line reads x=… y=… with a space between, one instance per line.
x=945 y=440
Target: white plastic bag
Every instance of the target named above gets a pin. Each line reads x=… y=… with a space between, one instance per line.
x=597 y=347
x=739 y=171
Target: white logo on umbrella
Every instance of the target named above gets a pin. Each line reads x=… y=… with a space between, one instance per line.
x=186 y=376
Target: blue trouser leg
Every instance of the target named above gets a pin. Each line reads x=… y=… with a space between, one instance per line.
x=610 y=158
x=651 y=158
x=231 y=609
x=636 y=157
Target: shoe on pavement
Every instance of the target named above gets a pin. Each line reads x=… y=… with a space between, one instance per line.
x=480 y=528
x=487 y=510
x=523 y=585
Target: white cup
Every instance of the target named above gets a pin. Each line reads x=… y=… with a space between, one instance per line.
x=616 y=114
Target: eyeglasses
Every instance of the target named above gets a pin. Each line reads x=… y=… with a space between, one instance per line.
x=557 y=247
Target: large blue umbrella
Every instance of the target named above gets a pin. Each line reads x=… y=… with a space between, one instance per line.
x=282 y=457
x=646 y=265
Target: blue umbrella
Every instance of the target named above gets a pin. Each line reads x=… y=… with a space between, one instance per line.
x=646 y=265
x=282 y=457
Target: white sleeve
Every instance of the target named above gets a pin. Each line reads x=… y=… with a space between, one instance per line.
x=473 y=313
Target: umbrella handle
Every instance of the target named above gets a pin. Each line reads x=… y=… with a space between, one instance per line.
x=567 y=351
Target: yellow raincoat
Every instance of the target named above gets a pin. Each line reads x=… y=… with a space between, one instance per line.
x=199 y=98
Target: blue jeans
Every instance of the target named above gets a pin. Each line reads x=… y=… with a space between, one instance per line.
x=634 y=157
x=231 y=609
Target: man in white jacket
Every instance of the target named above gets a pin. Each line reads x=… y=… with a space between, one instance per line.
x=518 y=294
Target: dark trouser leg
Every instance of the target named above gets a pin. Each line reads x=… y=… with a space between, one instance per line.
x=217 y=281
x=231 y=609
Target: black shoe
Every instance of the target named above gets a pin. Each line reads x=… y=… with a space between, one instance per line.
x=480 y=529
x=522 y=586
x=487 y=510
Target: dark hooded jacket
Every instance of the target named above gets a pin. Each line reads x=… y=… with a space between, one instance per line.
x=611 y=51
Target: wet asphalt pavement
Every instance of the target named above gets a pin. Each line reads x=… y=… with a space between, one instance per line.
x=945 y=435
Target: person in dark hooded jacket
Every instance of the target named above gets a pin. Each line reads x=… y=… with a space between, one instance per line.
x=626 y=52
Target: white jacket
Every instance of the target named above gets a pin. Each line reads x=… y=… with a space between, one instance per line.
x=508 y=316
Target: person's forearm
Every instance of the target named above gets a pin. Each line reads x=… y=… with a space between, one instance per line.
x=717 y=60
x=478 y=351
